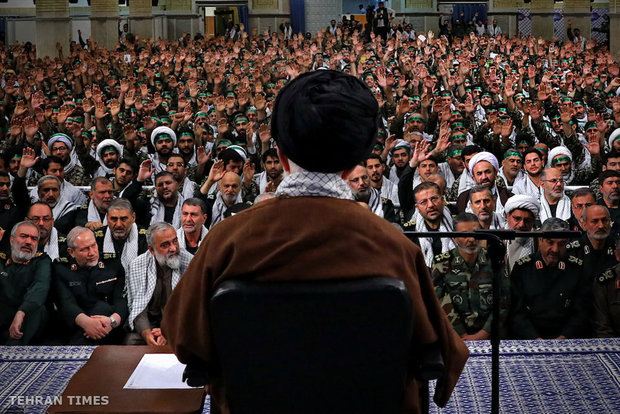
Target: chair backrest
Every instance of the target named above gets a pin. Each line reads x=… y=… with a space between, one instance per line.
x=313 y=347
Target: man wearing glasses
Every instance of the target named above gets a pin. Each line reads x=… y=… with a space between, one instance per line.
x=554 y=203
x=50 y=240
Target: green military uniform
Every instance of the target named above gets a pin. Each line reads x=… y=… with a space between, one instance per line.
x=607 y=303
x=77 y=176
x=465 y=291
x=97 y=290
x=23 y=287
x=547 y=302
x=594 y=261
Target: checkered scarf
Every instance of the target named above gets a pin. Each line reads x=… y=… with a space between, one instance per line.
x=141 y=279
x=313 y=184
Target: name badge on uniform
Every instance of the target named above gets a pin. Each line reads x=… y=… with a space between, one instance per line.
x=105 y=281
x=561 y=265
x=539 y=264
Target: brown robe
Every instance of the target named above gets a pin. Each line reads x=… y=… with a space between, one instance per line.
x=309 y=238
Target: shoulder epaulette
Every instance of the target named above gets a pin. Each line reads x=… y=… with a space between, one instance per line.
x=523 y=260
x=99 y=233
x=62 y=239
x=38 y=254
x=384 y=200
x=575 y=259
x=573 y=244
x=605 y=276
x=2 y=256
x=142 y=231
x=109 y=255
x=410 y=223
x=84 y=207
x=442 y=257
x=211 y=196
x=61 y=259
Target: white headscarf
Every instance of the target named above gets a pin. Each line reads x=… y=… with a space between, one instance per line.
x=102 y=171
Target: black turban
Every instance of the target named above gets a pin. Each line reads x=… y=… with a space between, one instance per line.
x=325 y=121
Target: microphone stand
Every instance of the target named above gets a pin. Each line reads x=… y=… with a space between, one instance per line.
x=497 y=253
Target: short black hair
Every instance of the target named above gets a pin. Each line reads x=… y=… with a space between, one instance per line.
x=607 y=174
x=426 y=185
x=271 y=152
x=611 y=154
x=230 y=155
x=465 y=218
x=45 y=162
x=470 y=150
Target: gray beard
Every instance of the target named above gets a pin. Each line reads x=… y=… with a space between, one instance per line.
x=23 y=256
x=173 y=262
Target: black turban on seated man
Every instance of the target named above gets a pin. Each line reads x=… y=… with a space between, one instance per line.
x=325 y=121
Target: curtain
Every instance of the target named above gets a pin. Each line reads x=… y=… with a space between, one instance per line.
x=243 y=17
x=298 y=16
x=470 y=11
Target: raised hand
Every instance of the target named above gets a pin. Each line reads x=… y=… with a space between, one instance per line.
x=29 y=158
x=145 y=171
x=217 y=171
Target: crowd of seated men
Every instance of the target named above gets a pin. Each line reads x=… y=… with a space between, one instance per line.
x=475 y=132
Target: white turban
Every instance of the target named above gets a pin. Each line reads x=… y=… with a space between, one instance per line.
x=240 y=151
x=614 y=136
x=60 y=138
x=400 y=144
x=163 y=130
x=109 y=143
x=523 y=202
x=483 y=156
x=559 y=150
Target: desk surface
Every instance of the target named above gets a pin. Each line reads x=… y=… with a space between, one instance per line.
x=98 y=386
x=571 y=376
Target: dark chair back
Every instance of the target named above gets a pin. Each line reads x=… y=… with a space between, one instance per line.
x=313 y=347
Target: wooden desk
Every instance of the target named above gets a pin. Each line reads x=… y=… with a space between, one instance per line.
x=105 y=375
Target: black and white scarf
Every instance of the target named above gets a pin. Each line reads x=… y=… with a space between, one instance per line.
x=130 y=248
x=314 y=184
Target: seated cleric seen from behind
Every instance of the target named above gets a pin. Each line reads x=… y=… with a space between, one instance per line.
x=314 y=229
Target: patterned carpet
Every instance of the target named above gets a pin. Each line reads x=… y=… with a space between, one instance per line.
x=573 y=376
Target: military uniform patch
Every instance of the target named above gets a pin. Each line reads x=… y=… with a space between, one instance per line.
x=74 y=267
x=575 y=260
x=99 y=233
x=539 y=264
x=2 y=256
x=142 y=231
x=523 y=260
x=573 y=244
x=101 y=265
x=586 y=249
x=561 y=266
x=606 y=275
x=109 y=255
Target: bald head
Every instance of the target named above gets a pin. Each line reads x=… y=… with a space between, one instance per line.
x=230 y=185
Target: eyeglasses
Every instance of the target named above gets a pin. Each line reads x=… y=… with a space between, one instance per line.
x=554 y=181
x=432 y=200
x=45 y=219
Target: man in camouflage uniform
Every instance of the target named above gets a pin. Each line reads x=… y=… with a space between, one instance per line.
x=463 y=281
x=607 y=300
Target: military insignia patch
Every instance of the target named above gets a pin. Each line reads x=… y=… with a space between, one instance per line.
x=561 y=266
x=2 y=256
x=457 y=299
x=142 y=231
x=74 y=267
x=101 y=265
x=109 y=255
x=539 y=264
x=586 y=249
x=99 y=233
x=7 y=207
